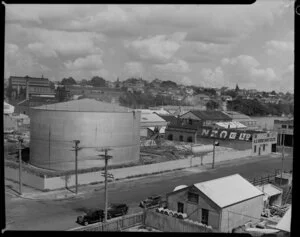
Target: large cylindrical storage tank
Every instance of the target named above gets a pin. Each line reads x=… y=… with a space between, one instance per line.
x=95 y=124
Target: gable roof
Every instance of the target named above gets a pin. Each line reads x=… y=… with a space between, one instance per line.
x=169 y=118
x=228 y=190
x=210 y=115
x=151 y=117
x=84 y=105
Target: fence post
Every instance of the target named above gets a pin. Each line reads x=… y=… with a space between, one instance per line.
x=254 y=181
x=268 y=178
x=261 y=180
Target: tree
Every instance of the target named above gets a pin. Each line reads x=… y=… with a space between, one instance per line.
x=51 y=85
x=68 y=81
x=168 y=84
x=98 y=82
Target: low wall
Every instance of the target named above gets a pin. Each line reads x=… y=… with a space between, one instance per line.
x=171 y=224
x=122 y=173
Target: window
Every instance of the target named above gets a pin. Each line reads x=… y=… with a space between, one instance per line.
x=181 y=138
x=193 y=197
x=170 y=137
x=283 y=126
x=189 y=139
x=291 y=126
x=264 y=147
x=190 y=121
x=204 y=218
x=180 y=207
x=255 y=149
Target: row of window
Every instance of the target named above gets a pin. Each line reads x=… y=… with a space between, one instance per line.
x=287 y=126
x=189 y=139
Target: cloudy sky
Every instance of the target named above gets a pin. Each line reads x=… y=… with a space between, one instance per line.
x=204 y=45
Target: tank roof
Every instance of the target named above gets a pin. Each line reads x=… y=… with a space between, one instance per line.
x=84 y=105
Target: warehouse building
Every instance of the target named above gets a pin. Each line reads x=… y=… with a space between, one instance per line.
x=224 y=203
x=95 y=124
x=150 y=121
x=205 y=118
x=285 y=130
x=264 y=143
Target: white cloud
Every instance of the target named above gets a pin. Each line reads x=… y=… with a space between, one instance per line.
x=41 y=50
x=277 y=47
x=62 y=42
x=159 y=48
x=177 y=66
x=134 y=68
x=87 y=63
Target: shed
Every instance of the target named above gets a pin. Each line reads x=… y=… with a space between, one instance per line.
x=148 y=120
x=273 y=194
x=224 y=203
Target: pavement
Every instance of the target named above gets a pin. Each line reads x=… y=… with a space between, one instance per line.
x=12 y=187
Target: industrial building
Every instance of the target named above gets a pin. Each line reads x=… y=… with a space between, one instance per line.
x=31 y=86
x=264 y=143
x=150 y=121
x=205 y=118
x=285 y=130
x=224 y=203
x=250 y=123
x=95 y=124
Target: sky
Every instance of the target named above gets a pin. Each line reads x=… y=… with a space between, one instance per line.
x=201 y=45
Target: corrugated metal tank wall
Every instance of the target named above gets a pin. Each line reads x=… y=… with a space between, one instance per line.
x=52 y=133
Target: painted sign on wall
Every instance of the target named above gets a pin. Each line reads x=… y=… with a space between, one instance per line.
x=225 y=134
x=265 y=138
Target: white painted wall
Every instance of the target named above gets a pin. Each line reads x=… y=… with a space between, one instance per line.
x=62 y=182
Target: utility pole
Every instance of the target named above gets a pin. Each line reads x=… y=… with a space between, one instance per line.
x=106 y=158
x=213 y=162
x=20 y=164
x=76 y=164
x=282 y=158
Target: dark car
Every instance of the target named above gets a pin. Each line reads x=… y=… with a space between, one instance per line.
x=114 y=210
x=152 y=201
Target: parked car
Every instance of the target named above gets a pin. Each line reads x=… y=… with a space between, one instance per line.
x=114 y=210
x=152 y=201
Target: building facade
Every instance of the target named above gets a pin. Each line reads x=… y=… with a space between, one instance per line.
x=29 y=86
x=264 y=143
x=225 y=203
x=285 y=130
x=205 y=118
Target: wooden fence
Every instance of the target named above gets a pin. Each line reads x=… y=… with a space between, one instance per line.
x=264 y=179
x=115 y=224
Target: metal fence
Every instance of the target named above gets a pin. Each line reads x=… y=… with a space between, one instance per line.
x=116 y=224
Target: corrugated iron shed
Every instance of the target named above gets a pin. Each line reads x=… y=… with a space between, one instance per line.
x=228 y=190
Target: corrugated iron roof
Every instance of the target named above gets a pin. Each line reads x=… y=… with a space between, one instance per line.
x=232 y=124
x=151 y=117
x=210 y=115
x=84 y=105
x=228 y=190
x=269 y=189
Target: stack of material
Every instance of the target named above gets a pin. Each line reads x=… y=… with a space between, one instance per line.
x=279 y=211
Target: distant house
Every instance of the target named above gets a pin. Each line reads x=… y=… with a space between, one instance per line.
x=205 y=118
x=196 y=99
x=224 y=203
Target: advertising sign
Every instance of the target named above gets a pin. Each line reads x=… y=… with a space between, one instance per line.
x=225 y=134
x=265 y=137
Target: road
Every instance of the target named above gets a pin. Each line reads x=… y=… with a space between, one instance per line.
x=60 y=215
